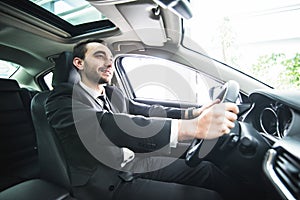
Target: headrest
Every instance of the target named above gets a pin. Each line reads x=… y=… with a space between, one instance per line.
x=64 y=71
x=8 y=85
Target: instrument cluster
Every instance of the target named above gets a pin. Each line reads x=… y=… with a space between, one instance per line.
x=275 y=119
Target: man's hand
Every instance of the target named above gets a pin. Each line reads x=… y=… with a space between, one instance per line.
x=214 y=120
x=197 y=112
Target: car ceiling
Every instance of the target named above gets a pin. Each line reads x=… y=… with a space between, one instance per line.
x=29 y=41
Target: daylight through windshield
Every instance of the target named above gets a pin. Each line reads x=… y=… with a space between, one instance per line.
x=260 y=38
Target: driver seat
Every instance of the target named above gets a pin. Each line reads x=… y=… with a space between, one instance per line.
x=53 y=165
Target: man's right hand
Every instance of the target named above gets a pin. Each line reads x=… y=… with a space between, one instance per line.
x=214 y=121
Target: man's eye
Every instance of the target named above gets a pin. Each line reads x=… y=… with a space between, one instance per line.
x=100 y=56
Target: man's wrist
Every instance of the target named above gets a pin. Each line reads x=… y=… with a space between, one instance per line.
x=186 y=129
x=190 y=114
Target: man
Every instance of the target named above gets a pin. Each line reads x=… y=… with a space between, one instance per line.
x=103 y=133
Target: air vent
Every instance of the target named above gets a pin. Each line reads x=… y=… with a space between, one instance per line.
x=287 y=168
x=283 y=169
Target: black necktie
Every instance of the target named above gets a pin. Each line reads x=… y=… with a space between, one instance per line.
x=106 y=104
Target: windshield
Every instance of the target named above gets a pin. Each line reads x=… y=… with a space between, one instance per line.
x=259 y=38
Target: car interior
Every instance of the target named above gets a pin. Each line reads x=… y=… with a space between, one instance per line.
x=151 y=49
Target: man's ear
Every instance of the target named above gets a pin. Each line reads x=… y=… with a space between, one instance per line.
x=78 y=62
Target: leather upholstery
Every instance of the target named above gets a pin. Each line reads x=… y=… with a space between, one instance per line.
x=52 y=162
x=19 y=155
x=64 y=71
x=35 y=189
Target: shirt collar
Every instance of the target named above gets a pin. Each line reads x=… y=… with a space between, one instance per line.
x=95 y=94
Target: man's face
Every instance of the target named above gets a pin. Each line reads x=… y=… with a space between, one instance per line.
x=98 y=63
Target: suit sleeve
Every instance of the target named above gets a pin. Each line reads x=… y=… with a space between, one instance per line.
x=155 y=110
x=138 y=133
x=100 y=128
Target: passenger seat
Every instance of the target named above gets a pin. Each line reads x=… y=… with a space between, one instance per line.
x=18 y=147
x=35 y=189
x=19 y=168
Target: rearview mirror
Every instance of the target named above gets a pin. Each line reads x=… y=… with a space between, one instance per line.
x=181 y=8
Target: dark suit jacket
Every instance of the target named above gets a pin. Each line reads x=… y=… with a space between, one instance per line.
x=90 y=134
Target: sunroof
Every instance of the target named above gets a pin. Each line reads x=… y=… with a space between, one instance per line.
x=75 y=12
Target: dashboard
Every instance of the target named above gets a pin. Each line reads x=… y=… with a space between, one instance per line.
x=276 y=116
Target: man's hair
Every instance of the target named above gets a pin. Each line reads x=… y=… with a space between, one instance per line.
x=80 y=49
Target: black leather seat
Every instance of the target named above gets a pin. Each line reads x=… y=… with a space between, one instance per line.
x=35 y=189
x=19 y=154
x=52 y=161
x=20 y=174
x=64 y=71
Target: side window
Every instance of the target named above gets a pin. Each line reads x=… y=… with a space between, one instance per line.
x=160 y=79
x=48 y=80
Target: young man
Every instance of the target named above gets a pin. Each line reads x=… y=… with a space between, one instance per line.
x=103 y=133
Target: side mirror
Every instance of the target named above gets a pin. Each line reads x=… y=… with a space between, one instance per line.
x=182 y=8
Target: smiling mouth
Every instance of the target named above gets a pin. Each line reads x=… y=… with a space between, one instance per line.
x=105 y=71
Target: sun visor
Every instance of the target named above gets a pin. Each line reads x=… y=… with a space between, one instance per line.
x=145 y=18
x=148 y=25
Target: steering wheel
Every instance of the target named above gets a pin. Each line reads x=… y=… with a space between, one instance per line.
x=229 y=93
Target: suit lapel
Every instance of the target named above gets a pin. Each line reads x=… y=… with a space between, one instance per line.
x=87 y=98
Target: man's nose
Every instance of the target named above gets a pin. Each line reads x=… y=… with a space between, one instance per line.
x=109 y=62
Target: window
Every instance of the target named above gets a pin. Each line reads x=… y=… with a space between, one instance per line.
x=159 y=79
x=48 y=80
x=7 y=69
